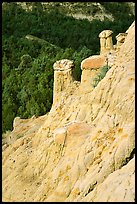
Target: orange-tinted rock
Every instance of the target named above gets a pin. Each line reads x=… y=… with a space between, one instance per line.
x=79 y=129
x=94 y=62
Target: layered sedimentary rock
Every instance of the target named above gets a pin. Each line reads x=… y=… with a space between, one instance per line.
x=83 y=149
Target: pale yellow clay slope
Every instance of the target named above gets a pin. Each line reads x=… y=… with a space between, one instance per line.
x=83 y=149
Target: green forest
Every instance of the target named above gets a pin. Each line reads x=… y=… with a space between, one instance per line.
x=27 y=64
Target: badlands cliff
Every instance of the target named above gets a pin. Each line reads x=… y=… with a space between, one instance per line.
x=83 y=149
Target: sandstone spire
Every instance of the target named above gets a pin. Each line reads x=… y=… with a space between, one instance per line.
x=62 y=77
x=106 y=43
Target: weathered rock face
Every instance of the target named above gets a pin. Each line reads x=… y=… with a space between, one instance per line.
x=120 y=39
x=83 y=149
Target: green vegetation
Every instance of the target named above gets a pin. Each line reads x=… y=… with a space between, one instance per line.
x=19 y=136
x=100 y=75
x=27 y=64
x=4 y=135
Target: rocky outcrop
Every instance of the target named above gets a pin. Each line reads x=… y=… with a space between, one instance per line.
x=83 y=149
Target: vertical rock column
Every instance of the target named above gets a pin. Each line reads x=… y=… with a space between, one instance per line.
x=90 y=68
x=62 y=77
x=109 y=42
x=102 y=37
x=106 y=43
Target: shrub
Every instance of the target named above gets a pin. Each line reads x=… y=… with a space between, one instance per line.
x=25 y=62
x=100 y=75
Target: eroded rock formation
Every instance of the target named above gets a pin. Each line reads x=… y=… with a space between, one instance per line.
x=62 y=77
x=83 y=149
x=120 y=39
x=106 y=43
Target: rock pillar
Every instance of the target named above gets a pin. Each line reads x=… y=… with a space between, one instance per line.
x=90 y=68
x=106 y=43
x=62 y=77
x=102 y=37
